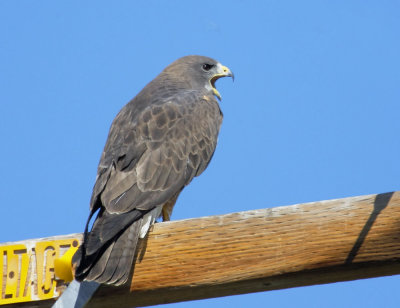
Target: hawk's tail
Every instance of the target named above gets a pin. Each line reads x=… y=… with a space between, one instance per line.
x=107 y=253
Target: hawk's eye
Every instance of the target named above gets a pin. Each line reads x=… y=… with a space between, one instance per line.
x=207 y=67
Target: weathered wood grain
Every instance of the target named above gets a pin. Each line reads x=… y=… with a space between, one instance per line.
x=274 y=248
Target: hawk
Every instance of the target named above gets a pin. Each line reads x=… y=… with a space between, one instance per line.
x=158 y=142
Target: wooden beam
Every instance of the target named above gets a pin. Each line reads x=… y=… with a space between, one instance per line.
x=259 y=250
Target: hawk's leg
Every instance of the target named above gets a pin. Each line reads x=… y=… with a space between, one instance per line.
x=168 y=207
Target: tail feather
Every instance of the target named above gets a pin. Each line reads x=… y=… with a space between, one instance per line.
x=99 y=257
x=107 y=227
x=124 y=250
x=94 y=273
x=109 y=258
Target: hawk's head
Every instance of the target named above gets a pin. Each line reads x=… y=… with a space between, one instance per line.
x=200 y=72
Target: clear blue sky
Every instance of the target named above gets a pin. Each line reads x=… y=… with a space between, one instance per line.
x=315 y=105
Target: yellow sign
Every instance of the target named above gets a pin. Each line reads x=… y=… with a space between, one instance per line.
x=27 y=270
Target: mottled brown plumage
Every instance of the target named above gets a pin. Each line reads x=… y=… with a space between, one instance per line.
x=157 y=144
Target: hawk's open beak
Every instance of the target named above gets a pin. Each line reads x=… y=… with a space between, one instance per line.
x=227 y=72
x=222 y=71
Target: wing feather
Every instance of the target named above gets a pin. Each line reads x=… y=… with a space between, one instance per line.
x=152 y=152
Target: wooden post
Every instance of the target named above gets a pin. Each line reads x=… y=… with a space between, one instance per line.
x=259 y=250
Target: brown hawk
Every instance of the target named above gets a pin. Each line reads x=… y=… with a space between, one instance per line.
x=157 y=144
